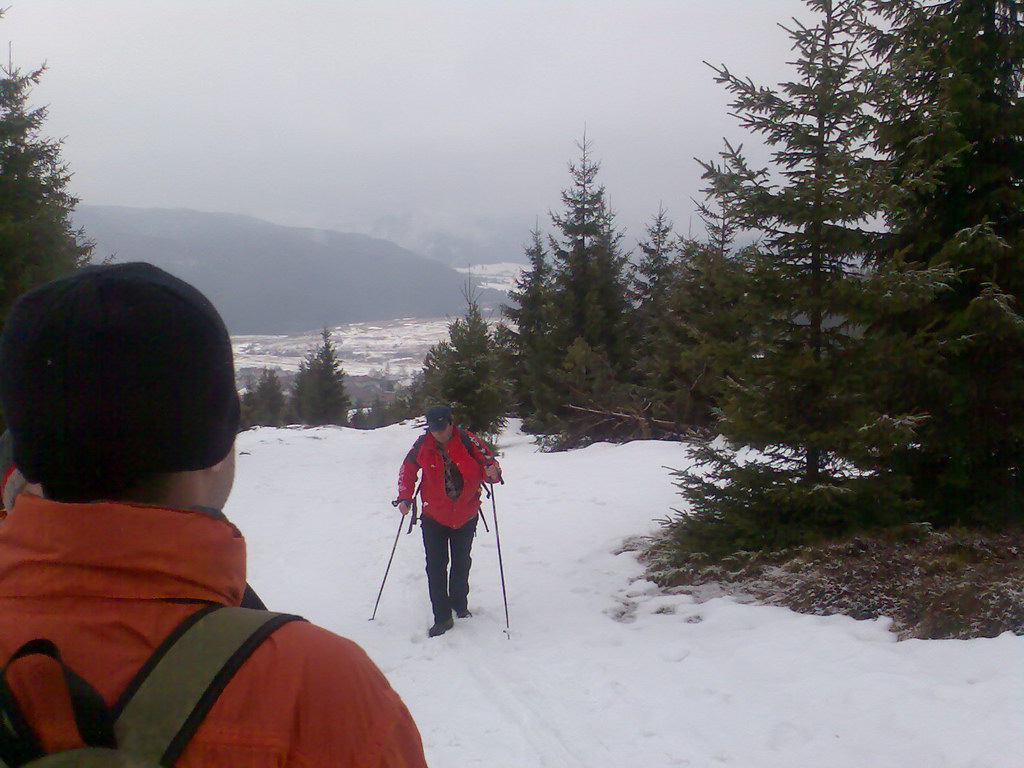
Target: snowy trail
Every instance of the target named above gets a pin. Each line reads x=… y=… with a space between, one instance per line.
x=601 y=670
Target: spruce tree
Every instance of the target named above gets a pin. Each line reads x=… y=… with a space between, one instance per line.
x=590 y=289
x=381 y=413
x=266 y=403
x=466 y=373
x=805 y=398
x=527 y=340
x=37 y=239
x=589 y=329
x=653 y=274
x=698 y=330
x=652 y=281
x=318 y=395
x=668 y=342
x=952 y=124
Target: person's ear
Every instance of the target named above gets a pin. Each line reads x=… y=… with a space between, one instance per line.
x=221 y=478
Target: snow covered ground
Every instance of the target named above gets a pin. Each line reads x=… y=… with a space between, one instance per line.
x=600 y=669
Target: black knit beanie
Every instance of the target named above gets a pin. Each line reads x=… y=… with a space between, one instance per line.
x=113 y=373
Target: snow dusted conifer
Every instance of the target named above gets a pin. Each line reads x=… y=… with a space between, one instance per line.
x=589 y=330
x=527 y=340
x=698 y=329
x=573 y=338
x=952 y=124
x=805 y=399
x=318 y=394
x=589 y=268
x=466 y=373
x=264 y=406
x=38 y=241
x=653 y=274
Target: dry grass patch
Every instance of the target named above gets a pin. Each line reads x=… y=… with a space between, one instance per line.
x=932 y=584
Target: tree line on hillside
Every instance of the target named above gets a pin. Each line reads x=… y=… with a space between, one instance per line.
x=843 y=349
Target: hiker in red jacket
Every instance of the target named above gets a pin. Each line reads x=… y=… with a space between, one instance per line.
x=455 y=463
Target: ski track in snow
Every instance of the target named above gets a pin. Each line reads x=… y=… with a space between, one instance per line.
x=601 y=669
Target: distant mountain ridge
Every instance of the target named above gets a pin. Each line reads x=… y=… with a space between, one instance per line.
x=266 y=278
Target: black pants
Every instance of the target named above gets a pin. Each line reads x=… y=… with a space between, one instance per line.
x=448 y=592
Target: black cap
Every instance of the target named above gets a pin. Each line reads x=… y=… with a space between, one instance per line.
x=438 y=417
x=116 y=372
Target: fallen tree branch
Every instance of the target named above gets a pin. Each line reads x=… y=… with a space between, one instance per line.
x=629 y=416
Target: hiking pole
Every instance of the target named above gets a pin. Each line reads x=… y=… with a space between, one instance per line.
x=501 y=567
x=487 y=490
x=394 y=546
x=412 y=514
x=401 y=521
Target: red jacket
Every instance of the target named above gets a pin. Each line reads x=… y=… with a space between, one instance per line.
x=470 y=456
x=100 y=580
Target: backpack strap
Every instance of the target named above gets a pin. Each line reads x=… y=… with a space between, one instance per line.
x=171 y=695
x=18 y=742
x=470 y=445
x=474 y=443
x=467 y=441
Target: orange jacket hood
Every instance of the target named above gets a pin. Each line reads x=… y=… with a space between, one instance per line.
x=118 y=550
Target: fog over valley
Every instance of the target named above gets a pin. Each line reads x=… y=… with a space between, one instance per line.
x=443 y=127
x=269 y=279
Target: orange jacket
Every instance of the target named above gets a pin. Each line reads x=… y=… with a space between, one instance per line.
x=108 y=581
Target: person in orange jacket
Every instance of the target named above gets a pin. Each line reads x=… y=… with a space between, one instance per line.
x=454 y=464
x=118 y=385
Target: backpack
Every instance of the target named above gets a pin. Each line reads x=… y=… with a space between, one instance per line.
x=160 y=709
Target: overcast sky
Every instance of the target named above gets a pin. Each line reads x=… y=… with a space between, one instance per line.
x=406 y=120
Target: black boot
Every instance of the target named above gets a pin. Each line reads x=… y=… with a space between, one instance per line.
x=440 y=627
x=463 y=613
